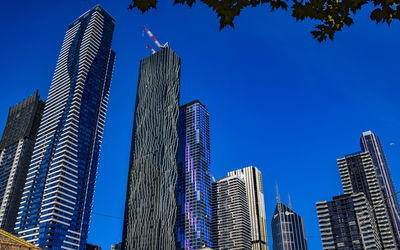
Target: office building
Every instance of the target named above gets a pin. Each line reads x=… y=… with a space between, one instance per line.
x=150 y=206
x=287 y=228
x=16 y=147
x=255 y=198
x=348 y=222
x=371 y=143
x=57 y=199
x=194 y=180
x=358 y=175
x=230 y=227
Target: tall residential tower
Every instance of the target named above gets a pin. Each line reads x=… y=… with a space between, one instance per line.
x=150 y=206
x=230 y=227
x=255 y=198
x=57 y=199
x=16 y=148
x=371 y=143
x=194 y=181
x=359 y=175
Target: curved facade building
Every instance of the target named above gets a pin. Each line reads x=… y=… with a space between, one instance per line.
x=57 y=198
x=150 y=206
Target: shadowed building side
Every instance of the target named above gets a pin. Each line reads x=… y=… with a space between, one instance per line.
x=16 y=148
x=150 y=206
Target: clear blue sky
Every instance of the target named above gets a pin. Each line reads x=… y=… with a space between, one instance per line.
x=278 y=99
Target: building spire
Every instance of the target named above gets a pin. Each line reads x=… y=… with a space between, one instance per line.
x=278 y=197
x=290 y=202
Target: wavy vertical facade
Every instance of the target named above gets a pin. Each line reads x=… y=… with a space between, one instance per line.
x=150 y=208
x=57 y=198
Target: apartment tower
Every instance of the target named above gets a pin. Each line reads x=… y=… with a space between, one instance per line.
x=255 y=198
x=150 y=206
x=348 y=222
x=57 y=198
x=371 y=143
x=359 y=175
x=230 y=227
x=16 y=148
x=194 y=181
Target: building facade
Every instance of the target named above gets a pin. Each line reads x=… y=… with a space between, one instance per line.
x=287 y=229
x=358 y=175
x=57 y=198
x=16 y=148
x=230 y=227
x=255 y=198
x=194 y=180
x=117 y=246
x=150 y=206
x=348 y=222
x=371 y=143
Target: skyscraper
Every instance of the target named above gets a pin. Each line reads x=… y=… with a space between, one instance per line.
x=150 y=206
x=358 y=175
x=371 y=143
x=287 y=228
x=347 y=222
x=255 y=199
x=194 y=181
x=57 y=199
x=230 y=227
x=16 y=147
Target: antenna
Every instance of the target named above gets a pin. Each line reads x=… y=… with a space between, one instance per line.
x=154 y=38
x=152 y=50
x=290 y=202
x=212 y=176
x=278 y=197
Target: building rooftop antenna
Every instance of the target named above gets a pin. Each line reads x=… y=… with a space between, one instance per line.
x=154 y=39
x=152 y=50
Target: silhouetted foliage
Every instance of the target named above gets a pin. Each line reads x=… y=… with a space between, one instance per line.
x=332 y=15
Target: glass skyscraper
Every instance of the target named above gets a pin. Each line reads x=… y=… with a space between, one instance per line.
x=150 y=206
x=194 y=181
x=16 y=148
x=287 y=229
x=371 y=143
x=57 y=198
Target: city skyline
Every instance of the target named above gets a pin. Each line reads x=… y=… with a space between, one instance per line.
x=248 y=96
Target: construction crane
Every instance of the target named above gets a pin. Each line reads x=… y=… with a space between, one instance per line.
x=154 y=40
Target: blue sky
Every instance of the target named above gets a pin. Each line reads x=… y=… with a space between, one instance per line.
x=278 y=99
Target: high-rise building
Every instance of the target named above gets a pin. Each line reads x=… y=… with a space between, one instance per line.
x=194 y=181
x=255 y=198
x=359 y=175
x=230 y=227
x=371 y=143
x=347 y=222
x=16 y=147
x=57 y=199
x=287 y=228
x=150 y=206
